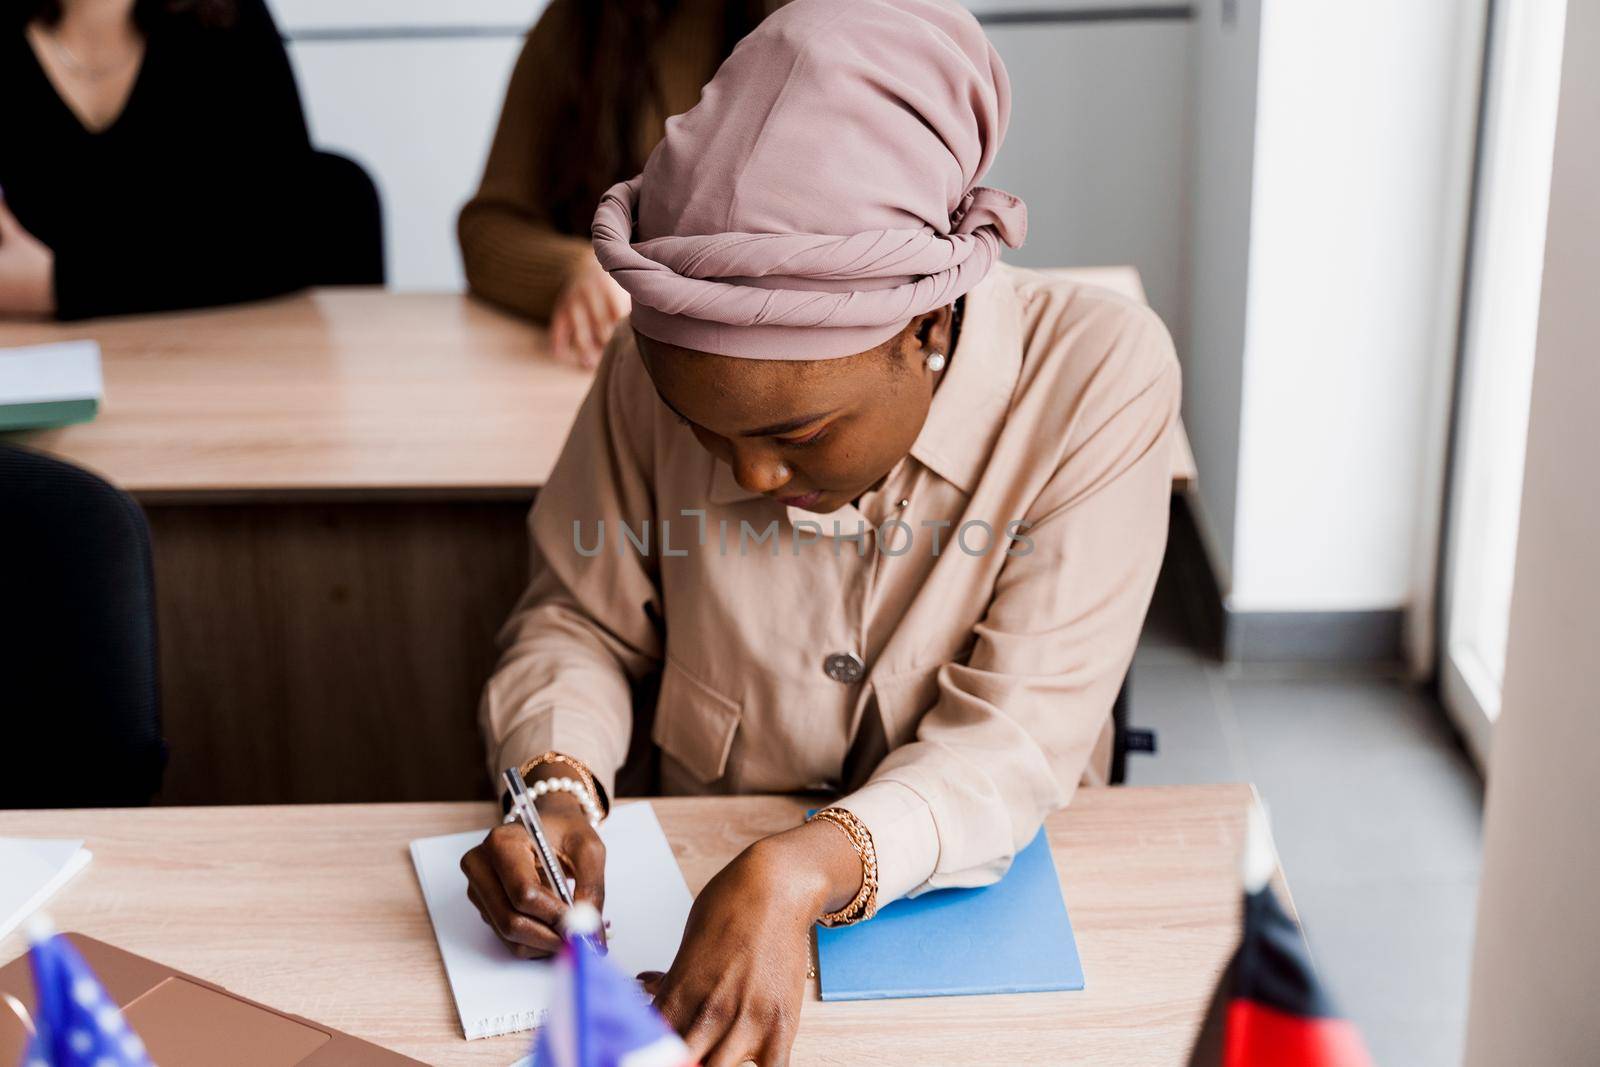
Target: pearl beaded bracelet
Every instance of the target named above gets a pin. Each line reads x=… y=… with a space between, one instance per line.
x=544 y=786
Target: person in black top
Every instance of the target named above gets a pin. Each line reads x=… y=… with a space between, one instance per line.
x=156 y=157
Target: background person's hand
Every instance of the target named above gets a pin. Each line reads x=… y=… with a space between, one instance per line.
x=587 y=310
x=735 y=988
x=503 y=877
x=27 y=270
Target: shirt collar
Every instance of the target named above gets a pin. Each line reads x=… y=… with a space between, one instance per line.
x=970 y=405
x=972 y=402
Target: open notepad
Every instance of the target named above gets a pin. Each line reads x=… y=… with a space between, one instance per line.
x=647 y=904
x=31 y=870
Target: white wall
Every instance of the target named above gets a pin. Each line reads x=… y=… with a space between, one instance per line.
x=1099 y=140
x=1098 y=150
x=302 y=16
x=1353 y=211
x=1359 y=151
x=1536 y=967
x=411 y=90
x=419 y=115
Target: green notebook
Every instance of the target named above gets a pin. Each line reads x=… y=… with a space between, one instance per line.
x=42 y=386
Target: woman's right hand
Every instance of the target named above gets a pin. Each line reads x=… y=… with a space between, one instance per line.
x=587 y=310
x=27 y=270
x=503 y=877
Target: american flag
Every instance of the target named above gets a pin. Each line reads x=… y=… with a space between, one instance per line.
x=598 y=1016
x=76 y=1024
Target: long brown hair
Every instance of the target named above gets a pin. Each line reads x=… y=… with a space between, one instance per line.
x=607 y=85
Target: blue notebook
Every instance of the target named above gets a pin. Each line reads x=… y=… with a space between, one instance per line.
x=1010 y=937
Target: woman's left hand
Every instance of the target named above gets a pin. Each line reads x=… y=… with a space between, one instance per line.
x=735 y=988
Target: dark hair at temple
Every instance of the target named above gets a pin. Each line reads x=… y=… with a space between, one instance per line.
x=607 y=83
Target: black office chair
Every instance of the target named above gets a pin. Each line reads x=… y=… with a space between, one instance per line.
x=345 y=217
x=1124 y=738
x=80 y=719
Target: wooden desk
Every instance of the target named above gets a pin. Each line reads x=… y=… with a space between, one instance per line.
x=346 y=392
x=316 y=910
x=354 y=392
x=337 y=484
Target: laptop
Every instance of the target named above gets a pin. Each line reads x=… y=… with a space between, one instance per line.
x=188 y=1022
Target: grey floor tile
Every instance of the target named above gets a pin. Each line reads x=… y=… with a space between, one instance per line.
x=1199 y=767
x=1395 y=1044
x=1154 y=653
x=1405 y=813
x=1178 y=701
x=1390 y=950
x=1278 y=715
x=1290 y=671
x=1376 y=810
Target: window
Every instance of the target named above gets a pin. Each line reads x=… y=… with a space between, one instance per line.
x=1502 y=315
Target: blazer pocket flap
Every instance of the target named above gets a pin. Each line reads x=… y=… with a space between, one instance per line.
x=695 y=724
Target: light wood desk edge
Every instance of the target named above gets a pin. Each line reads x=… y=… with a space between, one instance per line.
x=315 y=910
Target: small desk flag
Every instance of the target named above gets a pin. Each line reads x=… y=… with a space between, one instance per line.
x=598 y=1016
x=1269 y=1009
x=76 y=1023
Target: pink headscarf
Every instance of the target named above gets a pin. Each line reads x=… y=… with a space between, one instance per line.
x=824 y=190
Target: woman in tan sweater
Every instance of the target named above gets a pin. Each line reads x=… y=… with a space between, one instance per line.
x=588 y=100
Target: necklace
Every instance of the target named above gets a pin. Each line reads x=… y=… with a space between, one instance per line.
x=78 y=67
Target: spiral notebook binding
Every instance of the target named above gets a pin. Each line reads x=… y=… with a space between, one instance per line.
x=510 y=1023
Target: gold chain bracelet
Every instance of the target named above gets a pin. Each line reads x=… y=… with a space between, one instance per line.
x=578 y=768
x=865 y=904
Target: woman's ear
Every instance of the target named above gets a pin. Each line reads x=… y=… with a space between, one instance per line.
x=932 y=328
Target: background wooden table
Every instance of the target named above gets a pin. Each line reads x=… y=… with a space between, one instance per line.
x=316 y=910
x=353 y=392
x=337 y=485
x=340 y=392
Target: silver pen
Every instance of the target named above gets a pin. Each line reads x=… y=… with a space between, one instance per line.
x=522 y=804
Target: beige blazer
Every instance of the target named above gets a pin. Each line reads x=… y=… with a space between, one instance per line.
x=943 y=655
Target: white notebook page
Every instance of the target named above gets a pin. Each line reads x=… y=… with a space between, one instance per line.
x=63 y=370
x=647 y=904
x=31 y=870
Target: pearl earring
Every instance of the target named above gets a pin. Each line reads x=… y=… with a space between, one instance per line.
x=935 y=362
